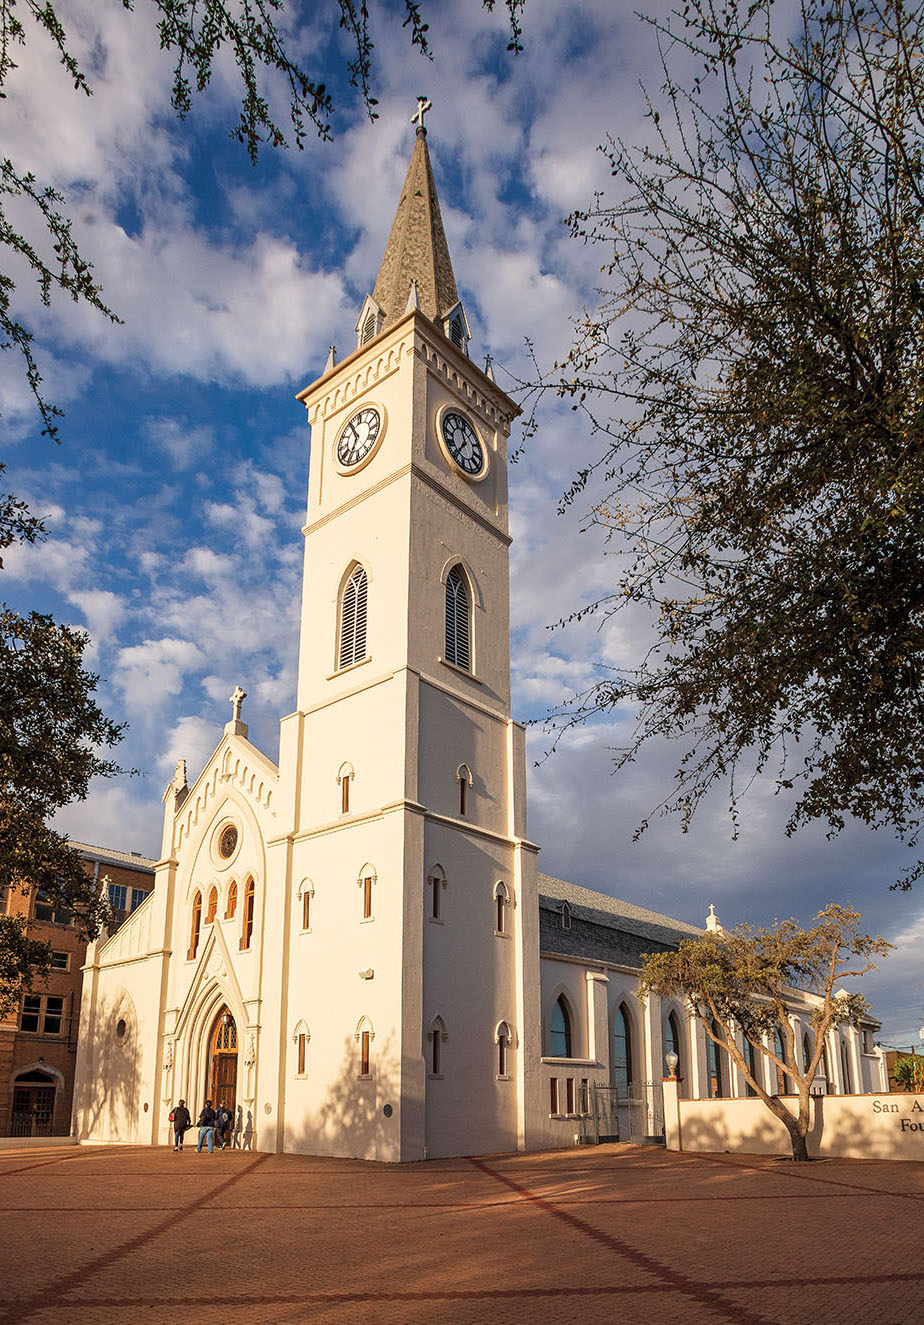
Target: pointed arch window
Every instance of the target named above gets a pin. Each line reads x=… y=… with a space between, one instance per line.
x=622 y=1051
x=751 y=1057
x=195 y=925
x=560 y=1029
x=783 y=1086
x=353 y=605
x=247 y=925
x=212 y=911
x=458 y=619
x=232 y=902
x=565 y=916
x=716 y=1069
x=845 y=1068
x=806 y=1051
x=673 y=1043
x=437 y=1037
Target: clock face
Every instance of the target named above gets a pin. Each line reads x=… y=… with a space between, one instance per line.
x=463 y=444
x=358 y=437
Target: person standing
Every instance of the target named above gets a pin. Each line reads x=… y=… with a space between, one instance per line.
x=181 y=1120
x=225 y=1117
x=206 y=1125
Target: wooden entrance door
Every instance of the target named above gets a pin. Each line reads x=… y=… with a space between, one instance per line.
x=223 y=1061
x=33 y=1109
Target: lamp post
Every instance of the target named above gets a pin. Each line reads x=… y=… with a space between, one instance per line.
x=671 y=1059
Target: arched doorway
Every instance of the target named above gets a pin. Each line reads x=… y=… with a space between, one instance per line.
x=33 y=1104
x=222 y=1078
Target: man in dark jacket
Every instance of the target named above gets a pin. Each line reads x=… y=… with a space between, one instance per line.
x=181 y=1121
x=206 y=1125
x=225 y=1118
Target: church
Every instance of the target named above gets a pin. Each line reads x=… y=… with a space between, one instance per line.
x=352 y=946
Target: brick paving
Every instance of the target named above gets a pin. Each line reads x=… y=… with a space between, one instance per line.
x=114 y=1234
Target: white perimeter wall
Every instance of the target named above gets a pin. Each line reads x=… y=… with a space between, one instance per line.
x=844 y=1126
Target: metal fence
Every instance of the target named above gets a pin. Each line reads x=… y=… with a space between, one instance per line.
x=616 y=1115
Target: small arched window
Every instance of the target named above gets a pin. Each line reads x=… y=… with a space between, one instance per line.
x=501 y=902
x=437 y=881
x=232 y=901
x=306 y=893
x=196 y=921
x=622 y=1051
x=465 y=781
x=345 y=777
x=560 y=1029
x=353 y=604
x=458 y=619
x=366 y=881
x=364 y=1037
x=502 y=1038
x=301 y=1038
x=565 y=916
x=247 y=926
x=212 y=907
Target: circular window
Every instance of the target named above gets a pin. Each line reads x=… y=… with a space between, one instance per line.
x=121 y=1027
x=227 y=842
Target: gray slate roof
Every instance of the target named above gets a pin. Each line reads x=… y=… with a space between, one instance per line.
x=109 y=856
x=614 y=914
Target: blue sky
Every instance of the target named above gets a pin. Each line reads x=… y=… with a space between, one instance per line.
x=176 y=498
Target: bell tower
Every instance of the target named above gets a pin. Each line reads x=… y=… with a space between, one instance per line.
x=412 y=966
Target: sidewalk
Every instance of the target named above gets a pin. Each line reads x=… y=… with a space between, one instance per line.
x=109 y=1235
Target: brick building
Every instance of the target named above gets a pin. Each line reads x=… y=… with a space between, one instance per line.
x=38 y=1043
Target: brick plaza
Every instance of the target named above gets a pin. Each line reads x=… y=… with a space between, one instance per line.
x=118 y=1235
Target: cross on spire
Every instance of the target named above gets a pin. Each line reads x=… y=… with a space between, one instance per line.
x=423 y=105
x=236 y=700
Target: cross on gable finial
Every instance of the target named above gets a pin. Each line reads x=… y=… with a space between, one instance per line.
x=236 y=700
x=423 y=105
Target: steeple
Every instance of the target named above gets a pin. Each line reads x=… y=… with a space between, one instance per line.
x=417 y=252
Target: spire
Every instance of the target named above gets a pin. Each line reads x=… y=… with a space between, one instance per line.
x=417 y=248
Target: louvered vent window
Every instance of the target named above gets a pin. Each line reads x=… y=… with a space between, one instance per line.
x=458 y=647
x=353 y=620
x=456 y=333
x=368 y=329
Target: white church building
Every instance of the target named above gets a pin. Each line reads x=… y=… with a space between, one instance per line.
x=353 y=945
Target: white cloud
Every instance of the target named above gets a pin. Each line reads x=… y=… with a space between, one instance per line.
x=185 y=446
x=103 y=612
x=148 y=674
